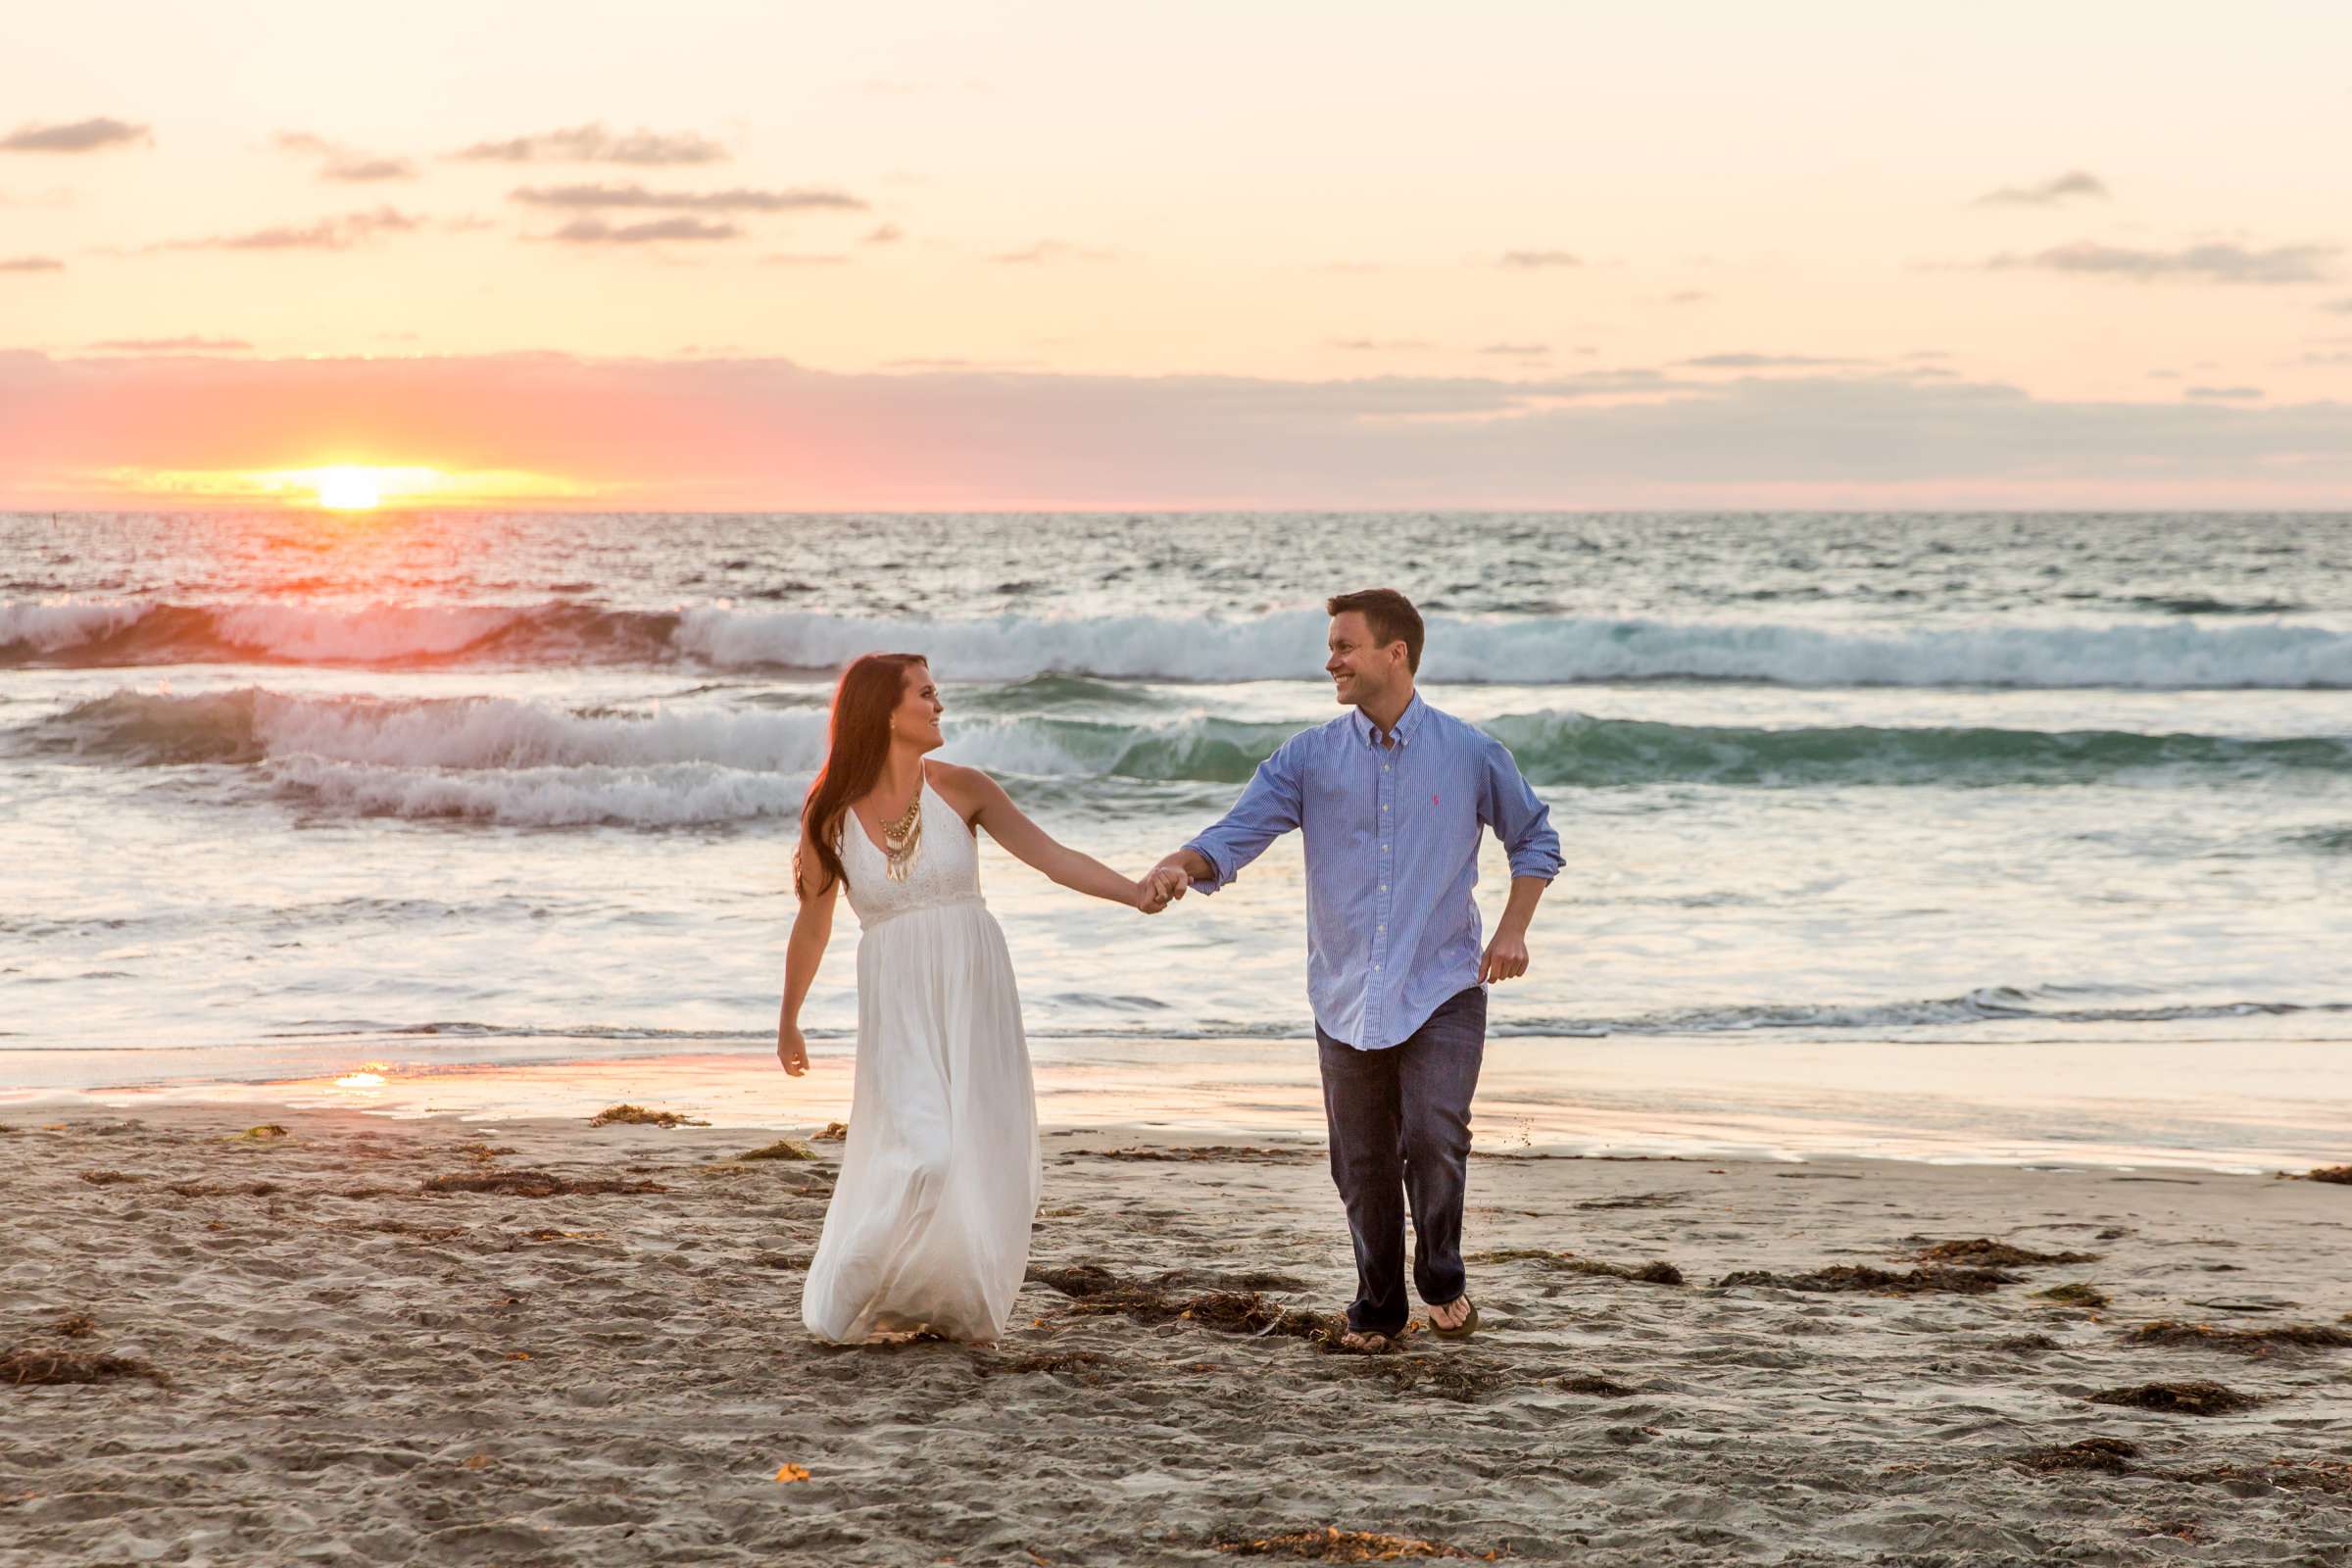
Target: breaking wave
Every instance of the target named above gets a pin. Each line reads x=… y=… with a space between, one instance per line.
x=2167 y=655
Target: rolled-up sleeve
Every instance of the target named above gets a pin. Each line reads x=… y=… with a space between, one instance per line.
x=1521 y=821
x=1267 y=810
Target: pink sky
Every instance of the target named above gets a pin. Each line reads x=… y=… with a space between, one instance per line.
x=732 y=255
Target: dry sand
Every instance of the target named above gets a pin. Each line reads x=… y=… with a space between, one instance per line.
x=348 y=1368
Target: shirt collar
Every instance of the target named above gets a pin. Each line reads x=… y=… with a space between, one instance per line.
x=1407 y=723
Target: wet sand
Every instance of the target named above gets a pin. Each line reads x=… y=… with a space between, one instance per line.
x=387 y=1340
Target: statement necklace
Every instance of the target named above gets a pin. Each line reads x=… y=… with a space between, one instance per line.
x=903 y=840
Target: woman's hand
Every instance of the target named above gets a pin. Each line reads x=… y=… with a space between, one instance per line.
x=792 y=1051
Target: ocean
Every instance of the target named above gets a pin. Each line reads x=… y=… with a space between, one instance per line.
x=287 y=794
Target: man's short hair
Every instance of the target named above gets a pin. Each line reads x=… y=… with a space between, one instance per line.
x=1391 y=616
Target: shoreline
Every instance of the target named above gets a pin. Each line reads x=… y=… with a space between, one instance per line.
x=2249 y=1102
x=350 y=1366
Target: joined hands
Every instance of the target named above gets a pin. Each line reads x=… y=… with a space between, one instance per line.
x=1161 y=887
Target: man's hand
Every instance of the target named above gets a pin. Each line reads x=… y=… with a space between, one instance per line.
x=1505 y=960
x=792 y=1051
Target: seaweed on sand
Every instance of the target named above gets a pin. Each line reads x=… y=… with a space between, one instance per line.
x=2198 y=1397
x=1657 y=1271
x=1598 y=1387
x=1861 y=1277
x=267 y=1132
x=1984 y=1253
x=639 y=1116
x=2242 y=1342
x=2076 y=1295
x=1084 y=1365
x=781 y=1149
x=110 y=1178
x=28 y=1364
x=1331 y=1544
x=833 y=1132
x=1096 y=1292
x=534 y=1183
x=2110 y=1457
x=2340 y=1175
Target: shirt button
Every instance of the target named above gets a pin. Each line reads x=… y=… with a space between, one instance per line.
x=1384 y=805
x=1384 y=887
x=1383 y=926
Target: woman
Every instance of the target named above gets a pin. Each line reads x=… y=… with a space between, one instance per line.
x=929 y=1223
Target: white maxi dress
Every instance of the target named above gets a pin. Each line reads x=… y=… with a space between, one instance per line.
x=929 y=1223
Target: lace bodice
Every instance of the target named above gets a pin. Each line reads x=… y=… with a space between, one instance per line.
x=945 y=872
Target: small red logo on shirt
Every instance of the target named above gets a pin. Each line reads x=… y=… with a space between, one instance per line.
x=1432 y=800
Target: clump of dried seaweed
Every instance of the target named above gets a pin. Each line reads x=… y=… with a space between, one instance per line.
x=2171 y=1332
x=2194 y=1397
x=1861 y=1277
x=2339 y=1175
x=1331 y=1544
x=1598 y=1387
x=33 y=1364
x=1095 y=1290
x=781 y=1149
x=534 y=1183
x=1657 y=1271
x=1984 y=1253
x=2111 y=1456
x=2075 y=1295
x=110 y=1178
x=833 y=1132
x=639 y=1116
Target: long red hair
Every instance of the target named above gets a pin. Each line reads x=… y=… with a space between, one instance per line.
x=857 y=744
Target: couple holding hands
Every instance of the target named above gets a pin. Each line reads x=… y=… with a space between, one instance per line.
x=929 y=1223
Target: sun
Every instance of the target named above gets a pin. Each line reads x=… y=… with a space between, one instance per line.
x=349 y=489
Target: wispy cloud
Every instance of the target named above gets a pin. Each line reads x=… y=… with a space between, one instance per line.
x=1762 y=362
x=326 y=234
x=1515 y=351
x=2221 y=394
x=80 y=136
x=2207 y=264
x=2343 y=307
x=1050 y=250
x=596 y=231
x=626 y=198
x=884 y=234
x=1379 y=345
x=172 y=345
x=594 y=144
x=31 y=264
x=1689 y=296
x=804 y=258
x=1536 y=258
x=2073 y=185
x=340 y=163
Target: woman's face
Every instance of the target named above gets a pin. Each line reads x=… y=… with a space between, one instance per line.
x=915 y=720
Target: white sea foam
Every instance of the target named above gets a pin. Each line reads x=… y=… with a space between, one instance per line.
x=47 y=625
x=672 y=795
x=1537 y=650
x=1551 y=650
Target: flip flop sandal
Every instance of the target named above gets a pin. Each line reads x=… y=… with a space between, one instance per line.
x=1460 y=1331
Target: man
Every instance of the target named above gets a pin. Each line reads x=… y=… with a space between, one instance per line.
x=1392 y=796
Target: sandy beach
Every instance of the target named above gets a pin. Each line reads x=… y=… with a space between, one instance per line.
x=363 y=1340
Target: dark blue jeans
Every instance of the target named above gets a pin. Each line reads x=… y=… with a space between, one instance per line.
x=1400 y=1136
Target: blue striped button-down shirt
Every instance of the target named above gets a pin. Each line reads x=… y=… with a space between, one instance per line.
x=1392 y=856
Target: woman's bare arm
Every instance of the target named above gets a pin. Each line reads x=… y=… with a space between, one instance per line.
x=1033 y=846
x=811 y=929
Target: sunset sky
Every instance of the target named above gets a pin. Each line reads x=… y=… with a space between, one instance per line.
x=740 y=255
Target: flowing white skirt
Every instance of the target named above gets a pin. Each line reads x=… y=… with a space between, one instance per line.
x=929 y=1223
